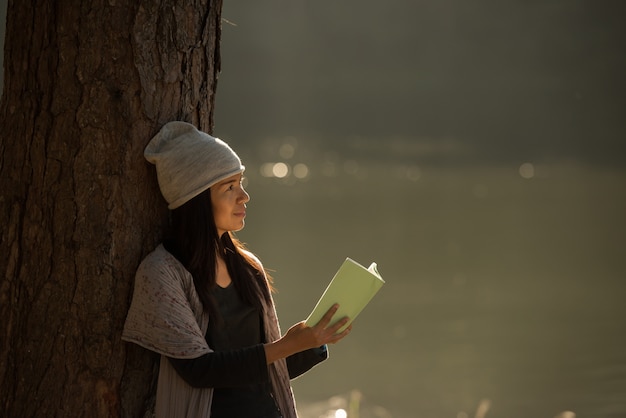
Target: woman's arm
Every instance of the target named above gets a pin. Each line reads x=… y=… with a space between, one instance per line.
x=248 y=365
x=231 y=368
x=302 y=362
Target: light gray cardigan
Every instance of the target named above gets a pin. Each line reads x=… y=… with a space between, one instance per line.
x=166 y=316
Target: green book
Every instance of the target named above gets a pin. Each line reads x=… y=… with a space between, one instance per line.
x=352 y=287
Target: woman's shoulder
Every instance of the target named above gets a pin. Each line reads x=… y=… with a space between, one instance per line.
x=159 y=258
x=161 y=266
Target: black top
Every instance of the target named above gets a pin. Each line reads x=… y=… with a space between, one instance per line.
x=237 y=368
x=240 y=326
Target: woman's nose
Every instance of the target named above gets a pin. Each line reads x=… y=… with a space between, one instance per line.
x=244 y=197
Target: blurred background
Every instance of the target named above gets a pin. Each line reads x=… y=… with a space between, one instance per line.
x=475 y=151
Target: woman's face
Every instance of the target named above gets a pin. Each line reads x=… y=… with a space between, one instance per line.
x=229 y=199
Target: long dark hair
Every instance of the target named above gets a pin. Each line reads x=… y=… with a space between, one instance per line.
x=193 y=239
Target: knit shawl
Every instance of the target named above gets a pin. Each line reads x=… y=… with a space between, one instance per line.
x=167 y=317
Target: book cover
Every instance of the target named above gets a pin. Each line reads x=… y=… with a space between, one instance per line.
x=352 y=287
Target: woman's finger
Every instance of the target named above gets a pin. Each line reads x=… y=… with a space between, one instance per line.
x=340 y=336
x=339 y=324
x=327 y=316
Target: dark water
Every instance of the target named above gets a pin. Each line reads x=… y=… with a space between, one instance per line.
x=506 y=283
x=504 y=294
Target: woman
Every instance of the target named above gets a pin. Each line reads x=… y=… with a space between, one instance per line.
x=204 y=302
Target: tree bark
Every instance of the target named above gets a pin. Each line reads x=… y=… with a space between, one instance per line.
x=87 y=84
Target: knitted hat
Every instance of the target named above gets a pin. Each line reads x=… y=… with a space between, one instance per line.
x=189 y=161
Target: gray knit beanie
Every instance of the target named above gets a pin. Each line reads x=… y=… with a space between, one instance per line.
x=189 y=161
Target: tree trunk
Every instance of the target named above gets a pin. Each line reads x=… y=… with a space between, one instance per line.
x=87 y=84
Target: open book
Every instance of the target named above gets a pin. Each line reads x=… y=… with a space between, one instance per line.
x=352 y=288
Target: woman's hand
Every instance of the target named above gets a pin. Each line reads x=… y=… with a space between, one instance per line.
x=321 y=333
x=301 y=337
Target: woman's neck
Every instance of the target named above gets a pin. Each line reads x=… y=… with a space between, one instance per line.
x=222 y=277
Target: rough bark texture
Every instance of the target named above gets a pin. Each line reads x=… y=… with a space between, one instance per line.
x=87 y=83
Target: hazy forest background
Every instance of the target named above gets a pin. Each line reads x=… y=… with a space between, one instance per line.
x=475 y=150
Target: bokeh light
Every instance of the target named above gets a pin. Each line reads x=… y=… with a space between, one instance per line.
x=341 y=413
x=301 y=171
x=527 y=170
